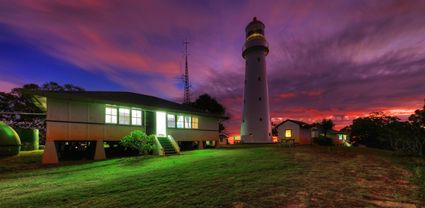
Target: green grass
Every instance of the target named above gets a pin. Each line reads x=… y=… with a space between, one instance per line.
x=203 y=178
x=239 y=176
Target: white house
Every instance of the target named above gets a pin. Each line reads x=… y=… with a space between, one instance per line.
x=95 y=118
x=297 y=130
x=303 y=133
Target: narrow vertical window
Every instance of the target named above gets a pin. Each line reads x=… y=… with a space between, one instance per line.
x=136 y=117
x=187 y=122
x=124 y=116
x=195 y=123
x=180 y=121
x=171 y=121
x=111 y=114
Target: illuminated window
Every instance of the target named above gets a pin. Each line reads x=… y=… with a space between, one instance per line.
x=171 y=121
x=136 y=117
x=111 y=114
x=188 y=122
x=180 y=121
x=288 y=133
x=195 y=122
x=124 y=116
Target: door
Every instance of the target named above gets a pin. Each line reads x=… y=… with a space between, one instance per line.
x=150 y=122
x=161 y=124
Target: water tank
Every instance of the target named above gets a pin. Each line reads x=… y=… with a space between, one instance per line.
x=10 y=143
x=29 y=138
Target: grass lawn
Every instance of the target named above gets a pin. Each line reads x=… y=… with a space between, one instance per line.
x=238 y=176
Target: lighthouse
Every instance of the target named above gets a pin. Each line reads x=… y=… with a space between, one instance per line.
x=255 y=127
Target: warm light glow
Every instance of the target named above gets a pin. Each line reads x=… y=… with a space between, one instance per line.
x=255 y=36
x=234 y=139
x=288 y=133
x=195 y=123
x=275 y=139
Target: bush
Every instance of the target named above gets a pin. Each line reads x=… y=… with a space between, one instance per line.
x=324 y=141
x=138 y=141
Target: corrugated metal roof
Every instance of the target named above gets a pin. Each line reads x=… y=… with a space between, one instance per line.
x=129 y=98
x=300 y=123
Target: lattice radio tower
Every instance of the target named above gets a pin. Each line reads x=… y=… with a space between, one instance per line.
x=186 y=98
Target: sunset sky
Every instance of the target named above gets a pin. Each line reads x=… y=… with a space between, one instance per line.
x=328 y=59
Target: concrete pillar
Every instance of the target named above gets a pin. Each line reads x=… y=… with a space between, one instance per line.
x=99 y=153
x=200 y=145
x=50 y=155
x=216 y=143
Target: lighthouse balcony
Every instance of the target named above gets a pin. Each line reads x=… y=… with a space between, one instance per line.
x=254 y=44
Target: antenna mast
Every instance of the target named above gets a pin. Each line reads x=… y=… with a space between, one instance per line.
x=186 y=98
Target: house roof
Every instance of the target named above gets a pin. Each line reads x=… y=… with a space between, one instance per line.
x=300 y=123
x=123 y=98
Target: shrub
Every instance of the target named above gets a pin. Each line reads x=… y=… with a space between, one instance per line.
x=138 y=141
x=420 y=177
x=323 y=140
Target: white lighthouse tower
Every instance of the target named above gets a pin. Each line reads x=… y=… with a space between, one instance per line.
x=256 y=127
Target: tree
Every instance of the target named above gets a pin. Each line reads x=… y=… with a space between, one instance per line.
x=326 y=125
x=18 y=100
x=372 y=130
x=418 y=118
x=209 y=104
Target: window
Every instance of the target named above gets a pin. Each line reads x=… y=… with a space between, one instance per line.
x=136 y=117
x=187 y=122
x=258 y=59
x=124 y=116
x=195 y=123
x=180 y=121
x=110 y=114
x=171 y=121
x=288 y=133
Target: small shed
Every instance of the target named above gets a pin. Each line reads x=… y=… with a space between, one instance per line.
x=297 y=130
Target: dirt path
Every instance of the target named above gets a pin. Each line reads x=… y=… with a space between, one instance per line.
x=342 y=177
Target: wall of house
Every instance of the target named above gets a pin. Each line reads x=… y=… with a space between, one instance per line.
x=301 y=135
x=207 y=131
x=305 y=136
x=289 y=125
x=69 y=120
x=77 y=121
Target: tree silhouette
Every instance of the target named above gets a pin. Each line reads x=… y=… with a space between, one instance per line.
x=209 y=104
x=418 y=118
x=327 y=125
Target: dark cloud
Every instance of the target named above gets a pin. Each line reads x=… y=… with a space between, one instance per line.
x=328 y=59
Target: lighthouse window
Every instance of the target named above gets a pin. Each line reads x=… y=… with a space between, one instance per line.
x=258 y=59
x=261 y=119
x=259 y=78
x=259 y=98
